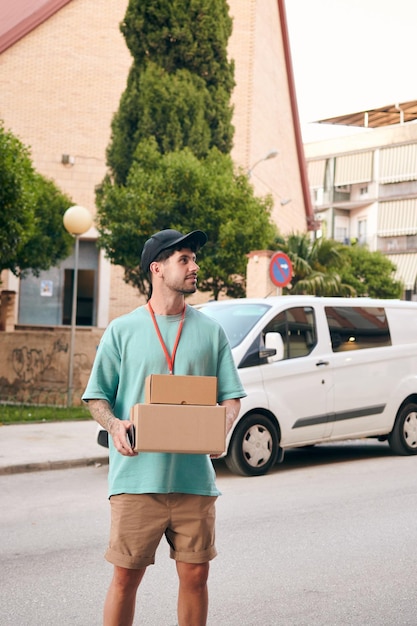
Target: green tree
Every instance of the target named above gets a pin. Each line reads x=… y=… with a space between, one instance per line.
x=168 y=155
x=177 y=190
x=324 y=267
x=370 y=273
x=32 y=236
x=180 y=83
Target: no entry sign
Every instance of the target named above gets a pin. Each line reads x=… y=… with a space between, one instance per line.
x=280 y=269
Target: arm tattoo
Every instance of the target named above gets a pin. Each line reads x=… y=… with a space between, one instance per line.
x=100 y=410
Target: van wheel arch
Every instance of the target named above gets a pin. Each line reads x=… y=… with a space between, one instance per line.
x=254 y=446
x=403 y=437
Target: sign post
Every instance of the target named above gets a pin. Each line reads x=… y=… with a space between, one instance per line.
x=280 y=269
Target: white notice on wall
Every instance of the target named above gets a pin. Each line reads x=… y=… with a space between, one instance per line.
x=46 y=287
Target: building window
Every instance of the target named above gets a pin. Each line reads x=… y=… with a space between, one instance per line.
x=85 y=297
x=341 y=234
x=47 y=299
x=362 y=231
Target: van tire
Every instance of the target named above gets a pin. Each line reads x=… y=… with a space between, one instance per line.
x=403 y=437
x=254 y=446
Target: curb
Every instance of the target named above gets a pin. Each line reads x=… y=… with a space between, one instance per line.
x=53 y=465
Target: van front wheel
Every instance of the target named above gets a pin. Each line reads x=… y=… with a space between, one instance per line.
x=254 y=446
x=403 y=437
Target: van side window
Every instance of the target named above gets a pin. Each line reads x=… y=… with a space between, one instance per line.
x=355 y=328
x=297 y=328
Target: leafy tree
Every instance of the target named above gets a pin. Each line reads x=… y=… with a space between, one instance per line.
x=370 y=273
x=16 y=224
x=177 y=190
x=180 y=83
x=31 y=210
x=324 y=267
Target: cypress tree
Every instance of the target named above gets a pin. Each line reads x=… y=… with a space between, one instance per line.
x=179 y=86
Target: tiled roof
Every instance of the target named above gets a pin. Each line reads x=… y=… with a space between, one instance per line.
x=19 y=17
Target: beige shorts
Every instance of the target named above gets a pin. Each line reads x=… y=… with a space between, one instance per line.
x=138 y=522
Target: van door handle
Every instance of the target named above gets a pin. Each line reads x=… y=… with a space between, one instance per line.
x=320 y=363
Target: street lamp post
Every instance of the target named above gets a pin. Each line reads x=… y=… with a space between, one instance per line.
x=270 y=155
x=77 y=220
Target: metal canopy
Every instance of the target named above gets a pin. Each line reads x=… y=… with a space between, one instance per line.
x=375 y=118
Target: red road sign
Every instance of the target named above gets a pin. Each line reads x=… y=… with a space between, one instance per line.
x=280 y=269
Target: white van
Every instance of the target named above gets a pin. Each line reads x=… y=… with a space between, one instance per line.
x=319 y=370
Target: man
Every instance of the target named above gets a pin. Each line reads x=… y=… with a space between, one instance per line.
x=152 y=494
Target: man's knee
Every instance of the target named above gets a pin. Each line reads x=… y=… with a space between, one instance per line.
x=193 y=576
x=127 y=580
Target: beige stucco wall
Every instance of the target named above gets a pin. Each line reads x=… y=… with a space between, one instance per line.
x=362 y=140
x=260 y=284
x=61 y=85
x=34 y=365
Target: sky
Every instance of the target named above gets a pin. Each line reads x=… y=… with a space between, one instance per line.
x=349 y=56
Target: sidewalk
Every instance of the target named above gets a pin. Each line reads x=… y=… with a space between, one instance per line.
x=56 y=445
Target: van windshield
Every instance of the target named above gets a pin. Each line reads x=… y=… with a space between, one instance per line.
x=237 y=318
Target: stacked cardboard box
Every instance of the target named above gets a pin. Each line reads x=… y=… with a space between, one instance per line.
x=180 y=414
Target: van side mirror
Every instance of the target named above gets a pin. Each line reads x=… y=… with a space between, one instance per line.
x=274 y=348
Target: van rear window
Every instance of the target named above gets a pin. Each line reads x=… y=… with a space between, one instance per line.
x=356 y=328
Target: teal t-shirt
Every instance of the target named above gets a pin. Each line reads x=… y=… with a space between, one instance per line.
x=129 y=351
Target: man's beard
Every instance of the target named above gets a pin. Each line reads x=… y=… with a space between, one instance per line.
x=192 y=289
x=184 y=289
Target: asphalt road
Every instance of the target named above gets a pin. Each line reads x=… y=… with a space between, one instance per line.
x=327 y=538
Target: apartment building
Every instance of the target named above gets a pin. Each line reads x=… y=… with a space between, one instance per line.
x=364 y=186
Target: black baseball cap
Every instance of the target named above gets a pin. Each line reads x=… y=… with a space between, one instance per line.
x=168 y=239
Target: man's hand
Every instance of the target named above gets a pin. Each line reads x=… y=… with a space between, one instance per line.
x=232 y=411
x=117 y=429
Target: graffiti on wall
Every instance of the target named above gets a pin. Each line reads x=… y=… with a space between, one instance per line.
x=30 y=364
x=40 y=375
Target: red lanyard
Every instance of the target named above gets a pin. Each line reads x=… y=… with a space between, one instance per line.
x=170 y=358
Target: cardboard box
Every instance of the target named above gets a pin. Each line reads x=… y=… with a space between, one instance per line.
x=182 y=428
x=172 y=389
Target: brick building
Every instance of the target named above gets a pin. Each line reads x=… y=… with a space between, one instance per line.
x=63 y=68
